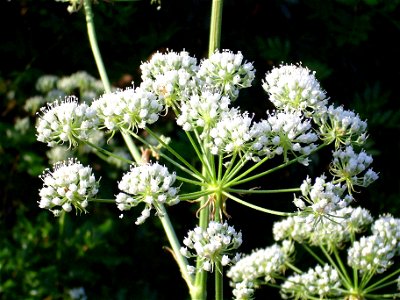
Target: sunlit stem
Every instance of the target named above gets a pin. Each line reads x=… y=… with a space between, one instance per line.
x=175 y=245
x=237 y=180
x=195 y=173
x=239 y=166
x=341 y=266
x=195 y=195
x=256 y=191
x=87 y=5
x=108 y=153
x=206 y=159
x=173 y=152
x=345 y=280
x=214 y=42
x=294 y=268
x=255 y=207
x=380 y=283
x=219 y=286
x=215 y=26
x=201 y=157
x=132 y=147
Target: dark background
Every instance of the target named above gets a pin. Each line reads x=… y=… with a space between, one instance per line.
x=352 y=46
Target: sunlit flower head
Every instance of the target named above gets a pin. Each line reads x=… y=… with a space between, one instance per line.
x=343 y=127
x=295 y=88
x=227 y=72
x=169 y=75
x=127 y=109
x=150 y=184
x=211 y=245
x=68 y=185
x=66 y=121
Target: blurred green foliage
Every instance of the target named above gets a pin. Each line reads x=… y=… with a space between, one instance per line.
x=349 y=43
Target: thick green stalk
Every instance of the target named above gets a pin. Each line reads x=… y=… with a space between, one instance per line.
x=215 y=26
x=214 y=43
x=219 y=281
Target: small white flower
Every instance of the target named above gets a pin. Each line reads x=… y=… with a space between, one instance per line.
x=151 y=184
x=63 y=186
x=295 y=88
x=232 y=133
x=226 y=72
x=344 y=127
x=348 y=166
x=263 y=264
x=202 y=110
x=286 y=133
x=127 y=109
x=169 y=75
x=212 y=245
x=66 y=121
x=321 y=282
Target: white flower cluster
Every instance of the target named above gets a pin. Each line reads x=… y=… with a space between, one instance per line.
x=295 y=88
x=331 y=232
x=226 y=72
x=231 y=134
x=211 y=245
x=243 y=290
x=283 y=133
x=341 y=126
x=69 y=184
x=80 y=83
x=375 y=253
x=66 y=121
x=322 y=282
x=46 y=83
x=261 y=265
x=323 y=198
x=170 y=75
x=202 y=110
x=348 y=165
x=127 y=109
x=77 y=293
x=88 y=86
x=151 y=184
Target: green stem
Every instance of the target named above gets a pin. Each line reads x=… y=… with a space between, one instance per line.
x=215 y=26
x=195 y=195
x=255 y=191
x=180 y=259
x=341 y=266
x=219 y=282
x=379 y=283
x=345 y=280
x=87 y=5
x=107 y=153
x=101 y=200
x=266 y=210
x=237 y=180
x=132 y=147
x=61 y=223
x=173 y=152
x=294 y=268
x=313 y=254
